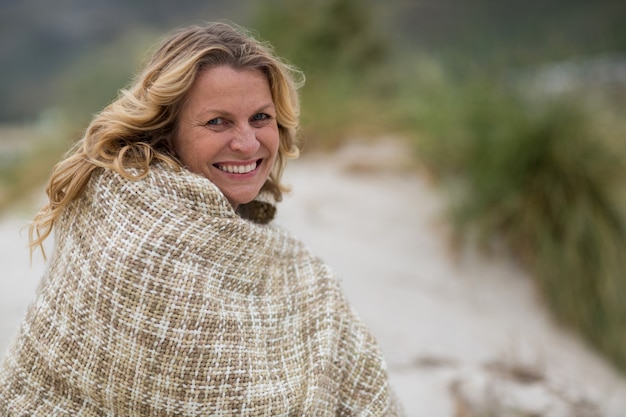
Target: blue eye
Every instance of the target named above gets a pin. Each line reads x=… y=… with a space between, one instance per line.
x=260 y=116
x=216 y=121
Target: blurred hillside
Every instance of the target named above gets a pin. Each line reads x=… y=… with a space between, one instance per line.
x=48 y=52
x=531 y=31
x=43 y=42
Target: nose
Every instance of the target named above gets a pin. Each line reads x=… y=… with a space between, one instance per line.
x=245 y=141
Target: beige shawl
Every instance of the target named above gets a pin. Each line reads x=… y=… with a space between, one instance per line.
x=161 y=301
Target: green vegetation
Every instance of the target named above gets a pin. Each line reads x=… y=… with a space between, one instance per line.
x=541 y=179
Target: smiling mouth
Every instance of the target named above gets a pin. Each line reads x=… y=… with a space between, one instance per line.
x=238 y=169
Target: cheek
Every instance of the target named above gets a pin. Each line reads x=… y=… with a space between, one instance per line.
x=187 y=153
x=188 y=146
x=273 y=142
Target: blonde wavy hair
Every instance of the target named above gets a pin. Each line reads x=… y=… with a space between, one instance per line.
x=135 y=129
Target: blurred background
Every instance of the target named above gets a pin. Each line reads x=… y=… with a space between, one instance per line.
x=514 y=110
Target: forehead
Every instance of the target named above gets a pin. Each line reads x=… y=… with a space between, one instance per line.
x=228 y=80
x=224 y=88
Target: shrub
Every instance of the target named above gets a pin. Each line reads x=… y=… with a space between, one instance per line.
x=543 y=177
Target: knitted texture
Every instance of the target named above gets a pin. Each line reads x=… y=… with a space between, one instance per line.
x=160 y=300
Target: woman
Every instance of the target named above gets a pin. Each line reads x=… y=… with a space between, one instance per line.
x=167 y=293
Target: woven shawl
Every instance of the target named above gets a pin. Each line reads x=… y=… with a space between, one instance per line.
x=160 y=300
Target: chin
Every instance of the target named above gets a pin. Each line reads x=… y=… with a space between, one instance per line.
x=239 y=200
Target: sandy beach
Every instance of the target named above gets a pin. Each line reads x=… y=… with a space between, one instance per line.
x=449 y=325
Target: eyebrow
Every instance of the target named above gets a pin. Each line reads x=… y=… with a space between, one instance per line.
x=220 y=112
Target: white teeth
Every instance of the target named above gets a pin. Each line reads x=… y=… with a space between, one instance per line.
x=237 y=169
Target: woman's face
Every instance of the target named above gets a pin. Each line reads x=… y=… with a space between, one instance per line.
x=227 y=131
